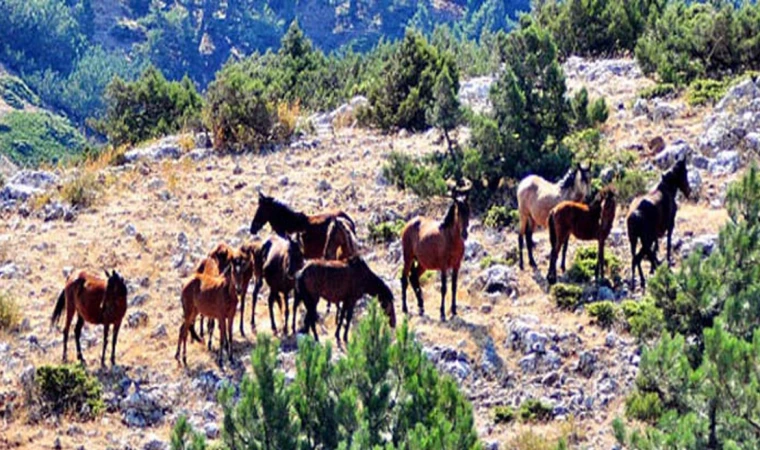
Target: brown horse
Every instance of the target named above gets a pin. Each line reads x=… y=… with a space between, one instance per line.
x=653 y=215
x=213 y=264
x=585 y=222
x=339 y=282
x=95 y=301
x=536 y=197
x=252 y=257
x=340 y=237
x=435 y=245
x=284 y=259
x=215 y=297
x=284 y=221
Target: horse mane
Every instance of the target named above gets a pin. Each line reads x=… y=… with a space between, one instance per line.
x=568 y=180
x=669 y=179
x=286 y=212
x=448 y=220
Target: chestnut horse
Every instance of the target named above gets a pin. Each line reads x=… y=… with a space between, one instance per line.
x=339 y=282
x=435 y=245
x=536 y=197
x=95 y=301
x=284 y=221
x=653 y=215
x=213 y=264
x=215 y=297
x=585 y=222
x=339 y=237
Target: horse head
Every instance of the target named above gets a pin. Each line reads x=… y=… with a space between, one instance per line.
x=240 y=263
x=262 y=213
x=385 y=297
x=609 y=205
x=296 y=259
x=460 y=209
x=582 y=179
x=116 y=287
x=682 y=177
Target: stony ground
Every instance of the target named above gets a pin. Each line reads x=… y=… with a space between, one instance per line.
x=166 y=208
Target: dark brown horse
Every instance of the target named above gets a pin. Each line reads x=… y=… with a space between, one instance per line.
x=284 y=259
x=96 y=301
x=252 y=256
x=652 y=216
x=435 y=245
x=339 y=282
x=284 y=221
x=586 y=223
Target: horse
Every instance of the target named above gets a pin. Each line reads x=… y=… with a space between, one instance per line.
x=284 y=259
x=536 y=197
x=284 y=221
x=253 y=255
x=96 y=301
x=436 y=245
x=585 y=222
x=214 y=297
x=653 y=215
x=339 y=282
x=339 y=237
x=213 y=264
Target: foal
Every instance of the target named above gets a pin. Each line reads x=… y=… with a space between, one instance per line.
x=96 y=301
x=653 y=215
x=284 y=259
x=585 y=222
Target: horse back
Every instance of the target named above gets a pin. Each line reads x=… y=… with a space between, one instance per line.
x=335 y=281
x=434 y=247
x=655 y=210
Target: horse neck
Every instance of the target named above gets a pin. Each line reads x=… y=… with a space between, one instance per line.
x=667 y=186
x=285 y=220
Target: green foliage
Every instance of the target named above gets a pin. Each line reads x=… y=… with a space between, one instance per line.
x=690 y=40
x=659 y=90
x=645 y=407
x=605 y=313
x=488 y=261
x=10 y=314
x=406 y=172
x=707 y=91
x=385 y=232
x=583 y=268
x=148 y=107
x=16 y=93
x=68 y=389
x=644 y=320
x=632 y=182
x=503 y=414
x=31 y=138
x=184 y=438
x=402 y=97
x=585 y=27
x=567 y=296
x=384 y=393
x=533 y=410
x=500 y=217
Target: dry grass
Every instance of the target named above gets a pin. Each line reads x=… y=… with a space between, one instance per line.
x=287 y=116
x=82 y=190
x=186 y=142
x=10 y=314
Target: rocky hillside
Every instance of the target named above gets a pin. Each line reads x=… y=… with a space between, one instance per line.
x=173 y=200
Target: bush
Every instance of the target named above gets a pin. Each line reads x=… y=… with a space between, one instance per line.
x=703 y=91
x=501 y=217
x=583 y=268
x=16 y=93
x=148 y=107
x=644 y=320
x=488 y=261
x=567 y=296
x=657 y=91
x=407 y=172
x=68 y=389
x=32 y=138
x=10 y=315
x=83 y=190
x=503 y=414
x=385 y=232
x=646 y=407
x=383 y=394
x=533 y=410
x=605 y=313
x=631 y=183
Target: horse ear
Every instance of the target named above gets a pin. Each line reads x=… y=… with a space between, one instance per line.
x=108 y=275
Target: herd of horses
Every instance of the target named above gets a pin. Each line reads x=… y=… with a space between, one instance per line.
x=316 y=257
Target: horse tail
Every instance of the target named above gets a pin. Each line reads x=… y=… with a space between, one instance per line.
x=193 y=334
x=59 y=307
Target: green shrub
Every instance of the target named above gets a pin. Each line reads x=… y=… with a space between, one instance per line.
x=68 y=389
x=533 y=410
x=16 y=93
x=503 y=414
x=605 y=313
x=385 y=232
x=32 y=138
x=583 y=268
x=10 y=314
x=83 y=190
x=488 y=261
x=421 y=178
x=567 y=296
x=644 y=320
x=703 y=91
x=646 y=407
x=631 y=183
x=659 y=90
x=384 y=393
x=501 y=217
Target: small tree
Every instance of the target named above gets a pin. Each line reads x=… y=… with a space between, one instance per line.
x=445 y=112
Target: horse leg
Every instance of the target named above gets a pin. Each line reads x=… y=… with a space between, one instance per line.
x=67 y=326
x=296 y=302
x=77 y=336
x=564 y=251
x=201 y=321
x=404 y=285
x=211 y=325
x=242 y=312
x=116 y=328
x=530 y=244
x=230 y=323
x=287 y=315
x=415 y=279
x=179 y=342
x=349 y=316
x=454 y=277
x=222 y=342
x=272 y=298
x=254 y=298
x=340 y=322
x=670 y=235
x=443 y=295
x=520 y=247
x=105 y=345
